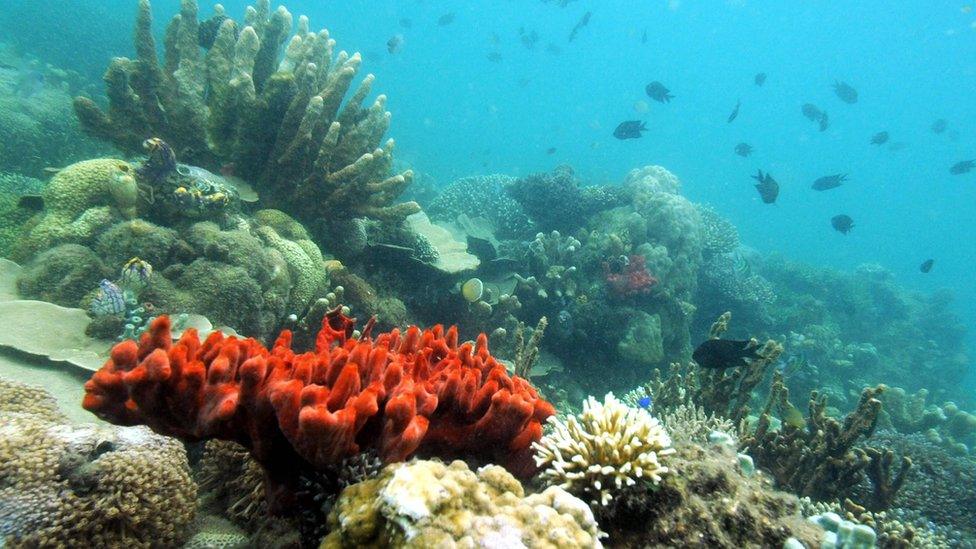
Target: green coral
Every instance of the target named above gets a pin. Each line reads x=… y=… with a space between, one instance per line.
x=13 y=218
x=78 y=202
x=642 y=343
x=64 y=275
x=304 y=262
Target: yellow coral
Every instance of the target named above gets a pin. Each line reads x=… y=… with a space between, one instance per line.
x=430 y=504
x=602 y=450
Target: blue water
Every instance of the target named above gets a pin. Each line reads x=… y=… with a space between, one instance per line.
x=456 y=113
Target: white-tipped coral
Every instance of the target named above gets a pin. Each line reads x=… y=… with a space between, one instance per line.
x=604 y=449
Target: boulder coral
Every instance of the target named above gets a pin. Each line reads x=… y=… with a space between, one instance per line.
x=268 y=107
x=430 y=504
x=108 y=486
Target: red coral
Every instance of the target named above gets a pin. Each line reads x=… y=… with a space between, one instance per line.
x=631 y=278
x=400 y=394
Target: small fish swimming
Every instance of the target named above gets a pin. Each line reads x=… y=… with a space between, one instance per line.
x=768 y=187
x=926 y=265
x=939 y=126
x=879 y=138
x=584 y=21
x=528 y=39
x=656 y=91
x=962 y=167
x=811 y=111
x=551 y=150
x=760 y=79
x=629 y=129
x=828 y=182
x=718 y=354
x=445 y=19
x=824 y=122
x=743 y=149
x=33 y=202
x=644 y=37
x=735 y=111
x=842 y=223
x=645 y=402
x=845 y=92
x=393 y=44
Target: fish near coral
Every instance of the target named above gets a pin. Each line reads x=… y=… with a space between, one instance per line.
x=718 y=354
x=828 y=182
x=962 y=167
x=658 y=92
x=926 y=265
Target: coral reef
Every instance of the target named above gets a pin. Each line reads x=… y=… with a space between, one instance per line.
x=13 y=216
x=605 y=449
x=103 y=486
x=817 y=457
x=428 y=504
x=262 y=104
x=482 y=196
x=400 y=394
x=707 y=500
x=557 y=201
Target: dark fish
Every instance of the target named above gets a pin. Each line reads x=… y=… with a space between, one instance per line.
x=926 y=265
x=760 y=79
x=551 y=150
x=406 y=23
x=960 y=168
x=393 y=44
x=656 y=91
x=584 y=21
x=528 y=39
x=743 y=149
x=719 y=354
x=811 y=111
x=494 y=57
x=735 y=111
x=768 y=187
x=824 y=122
x=34 y=202
x=644 y=37
x=842 y=223
x=828 y=182
x=939 y=125
x=445 y=19
x=845 y=92
x=7 y=66
x=629 y=129
x=879 y=138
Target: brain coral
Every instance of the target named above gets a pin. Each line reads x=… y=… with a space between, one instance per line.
x=98 y=486
x=430 y=504
x=602 y=450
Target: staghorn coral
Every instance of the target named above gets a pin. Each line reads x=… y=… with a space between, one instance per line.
x=98 y=485
x=430 y=504
x=689 y=424
x=267 y=106
x=607 y=447
x=402 y=393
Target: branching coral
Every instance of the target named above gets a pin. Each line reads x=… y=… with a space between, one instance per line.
x=719 y=235
x=430 y=504
x=608 y=447
x=819 y=458
x=266 y=106
x=482 y=196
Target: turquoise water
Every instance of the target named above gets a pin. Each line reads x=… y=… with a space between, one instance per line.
x=499 y=88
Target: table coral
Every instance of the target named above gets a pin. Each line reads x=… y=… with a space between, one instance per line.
x=99 y=485
x=608 y=447
x=400 y=393
x=430 y=504
x=261 y=104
